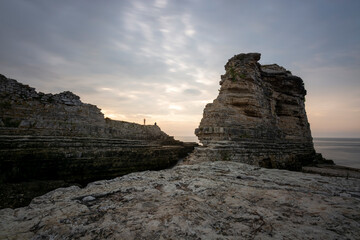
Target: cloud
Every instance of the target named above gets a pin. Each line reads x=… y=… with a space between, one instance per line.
x=160 y=3
x=163 y=59
x=193 y=91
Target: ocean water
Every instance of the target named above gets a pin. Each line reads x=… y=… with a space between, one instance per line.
x=187 y=138
x=343 y=151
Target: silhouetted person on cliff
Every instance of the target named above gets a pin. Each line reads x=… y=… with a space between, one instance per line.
x=144 y=121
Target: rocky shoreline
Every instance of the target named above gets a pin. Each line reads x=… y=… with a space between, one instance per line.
x=212 y=200
x=55 y=140
x=236 y=186
x=34 y=165
x=333 y=170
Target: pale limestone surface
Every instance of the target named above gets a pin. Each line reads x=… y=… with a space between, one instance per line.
x=213 y=200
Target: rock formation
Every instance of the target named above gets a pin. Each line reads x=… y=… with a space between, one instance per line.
x=212 y=200
x=56 y=140
x=258 y=117
x=23 y=111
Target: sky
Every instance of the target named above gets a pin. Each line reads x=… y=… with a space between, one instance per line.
x=162 y=59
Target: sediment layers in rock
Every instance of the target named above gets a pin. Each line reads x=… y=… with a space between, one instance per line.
x=23 y=111
x=212 y=200
x=45 y=137
x=81 y=159
x=258 y=117
x=33 y=165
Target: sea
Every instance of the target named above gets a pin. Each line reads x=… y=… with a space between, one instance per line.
x=343 y=151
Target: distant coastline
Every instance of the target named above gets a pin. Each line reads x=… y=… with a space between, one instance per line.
x=344 y=151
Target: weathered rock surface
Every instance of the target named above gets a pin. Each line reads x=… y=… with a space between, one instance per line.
x=48 y=141
x=23 y=111
x=33 y=165
x=258 y=117
x=333 y=170
x=213 y=200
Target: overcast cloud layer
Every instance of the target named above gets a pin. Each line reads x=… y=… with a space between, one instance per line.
x=162 y=60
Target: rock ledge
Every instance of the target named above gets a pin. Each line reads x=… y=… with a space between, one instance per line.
x=219 y=200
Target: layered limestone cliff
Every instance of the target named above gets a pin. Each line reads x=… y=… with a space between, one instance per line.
x=23 y=111
x=258 y=117
x=49 y=141
x=212 y=200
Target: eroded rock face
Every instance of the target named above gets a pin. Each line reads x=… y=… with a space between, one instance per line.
x=47 y=141
x=218 y=200
x=258 y=117
x=23 y=111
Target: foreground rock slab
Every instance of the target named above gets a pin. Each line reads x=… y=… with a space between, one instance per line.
x=212 y=200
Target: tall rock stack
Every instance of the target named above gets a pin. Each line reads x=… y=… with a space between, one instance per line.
x=258 y=117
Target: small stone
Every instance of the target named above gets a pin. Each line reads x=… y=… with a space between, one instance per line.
x=88 y=199
x=343 y=194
